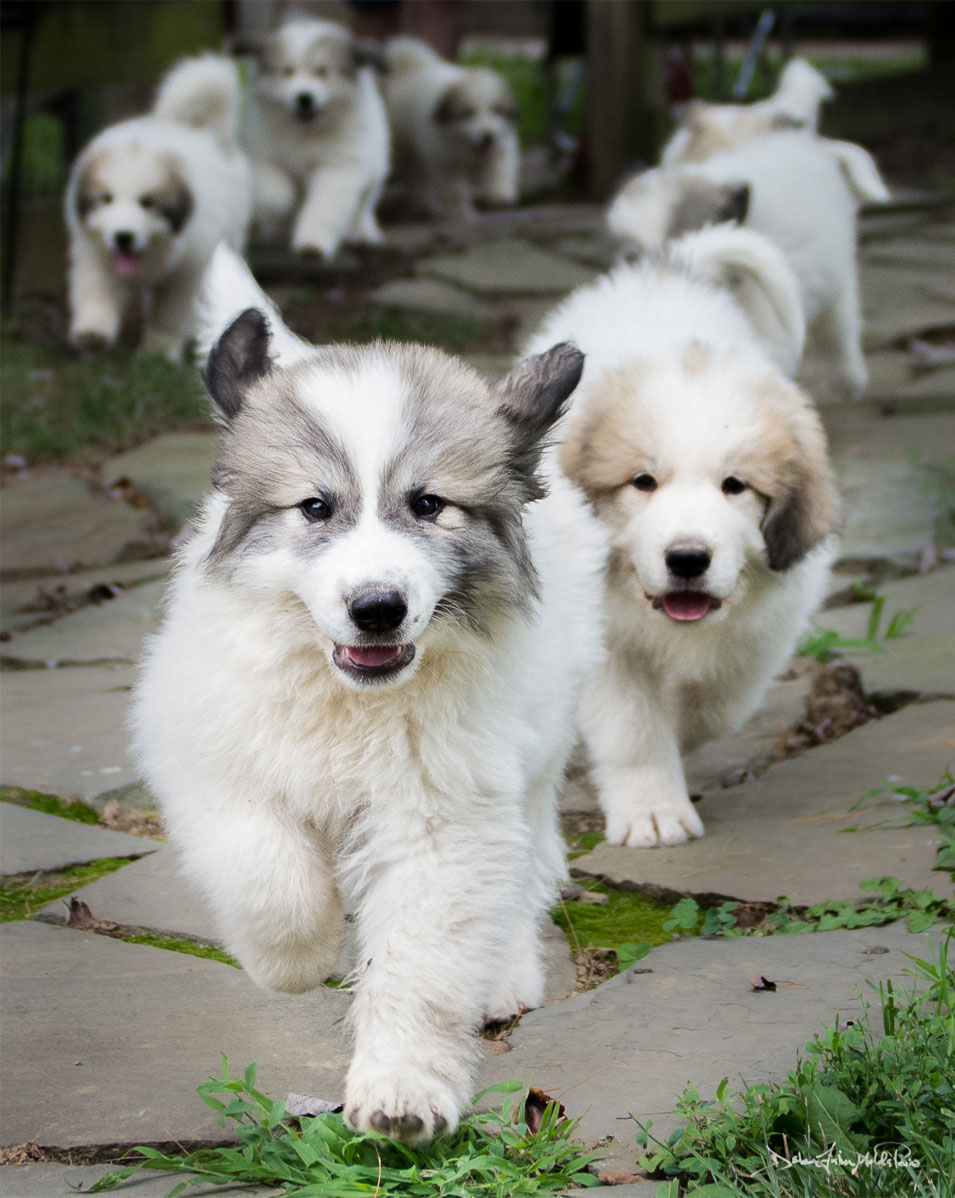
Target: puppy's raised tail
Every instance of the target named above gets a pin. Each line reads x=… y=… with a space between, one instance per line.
x=202 y=92
x=228 y=288
x=859 y=169
x=758 y=274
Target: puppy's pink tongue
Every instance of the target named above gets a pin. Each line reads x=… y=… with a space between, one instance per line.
x=686 y=605
x=125 y=264
x=373 y=655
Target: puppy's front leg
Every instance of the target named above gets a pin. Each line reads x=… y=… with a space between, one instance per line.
x=328 y=210
x=97 y=298
x=636 y=762
x=434 y=920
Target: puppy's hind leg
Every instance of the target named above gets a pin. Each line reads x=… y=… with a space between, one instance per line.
x=270 y=884
x=637 y=767
x=836 y=336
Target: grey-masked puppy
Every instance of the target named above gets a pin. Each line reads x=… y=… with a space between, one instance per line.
x=364 y=696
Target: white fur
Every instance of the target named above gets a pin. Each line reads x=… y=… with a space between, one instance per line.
x=449 y=166
x=804 y=194
x=190 y=135
x=330 y=170
x=707 y=128
x=426 y=806
x=665 y=686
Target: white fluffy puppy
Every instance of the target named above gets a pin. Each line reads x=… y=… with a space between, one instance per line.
x=709 y=469
x=149 y=200
x=454 y=131
x=706 y=128
x=318 y=137
x=365 y=692
x=803 y=194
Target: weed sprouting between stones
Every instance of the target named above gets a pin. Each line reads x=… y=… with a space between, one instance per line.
x=38 y=800
x=824 y=644
x=934 y=805
x=493 y=1154
x=867 y=1111
x=22 y=895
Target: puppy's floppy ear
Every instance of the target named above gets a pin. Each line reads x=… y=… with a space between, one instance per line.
x=238 y=359
x=804 y=510
x=533 y=396
x=84 y=196
x=174 y=200
x=735 y=202
x=451 y=106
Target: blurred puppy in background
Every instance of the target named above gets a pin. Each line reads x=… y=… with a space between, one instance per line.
x=147 y=202
x=709 y=469
x=318 y=137
x=454 y=131
x=708 y=128
x=802 y=193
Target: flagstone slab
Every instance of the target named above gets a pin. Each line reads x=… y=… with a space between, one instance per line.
x=923 y=658
x=57 y=523
x=633 y=1044
x=787 y=832
x=173 y=470
x=502 y=268
x=105 y=1042
x=54 y=1181
x=900 y=300
x=428 y=295
x=64 y=731
x=33 y=840
x=112 y=631
x=887 y=511
x=41 y=600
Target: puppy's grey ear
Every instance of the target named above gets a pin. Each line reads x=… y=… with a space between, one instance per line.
x=533 y=396
x=805 y=509
x=84 y=195
x=174 y=200
x=734 y=202
x=238 y=359
x=451 y=105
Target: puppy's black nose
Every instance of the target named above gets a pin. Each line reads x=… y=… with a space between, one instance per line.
x=304 y=101
x=124 y=241
x=378 y=611
x=486 y=140
x=688 y=561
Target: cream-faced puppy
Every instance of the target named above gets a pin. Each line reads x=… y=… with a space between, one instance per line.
x=318 y=137
x=802 y=193
x=454 y=131
x=148 y=201
x=709 y=469
x=707 y=128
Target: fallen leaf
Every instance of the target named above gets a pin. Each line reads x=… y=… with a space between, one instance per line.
x=875 y=951
x=762 y=983
x=611 y=1178
x=301 y=1104
x=82 y=917
x=535 y=1104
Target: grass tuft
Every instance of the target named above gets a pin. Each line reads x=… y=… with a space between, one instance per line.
x=21 y=895
x=37 y=800
x=869 y=1109
x=494 y=1154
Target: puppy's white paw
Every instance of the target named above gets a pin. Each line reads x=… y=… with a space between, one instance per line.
x=655 y=824
x=522 y=991
x=412 y=1104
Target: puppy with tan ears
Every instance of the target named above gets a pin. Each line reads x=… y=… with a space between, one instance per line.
x=318 y=137
x=454 y=131
x=709 y=468
x=802 y=193
x=149 y=200
x=706 y=128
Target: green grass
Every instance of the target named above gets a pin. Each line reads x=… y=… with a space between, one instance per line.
x=870 y=1098
x=491 y=1155
x=21 y=896
x=629 y=923
x=919 y=805
x=36 y=800
x=191 y=948
x=56 y=405
x=825 y=644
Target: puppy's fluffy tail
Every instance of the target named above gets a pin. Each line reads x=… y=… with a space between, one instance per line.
x=228 y=288
x=860 y=170
x=202 y=92
x=407 y=54
x=759 y=276
x=800 y=91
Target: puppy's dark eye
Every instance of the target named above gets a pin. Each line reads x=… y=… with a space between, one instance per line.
x=733 y=485
x=288 y=70
x=146 y=202
x=321 y=72
x=106 y=198
x=426 y=507
x=645 y=482
x=315 y=508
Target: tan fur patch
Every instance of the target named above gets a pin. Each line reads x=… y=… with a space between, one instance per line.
x=697 y=357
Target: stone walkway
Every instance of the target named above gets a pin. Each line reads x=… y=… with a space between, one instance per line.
x=104 y=1041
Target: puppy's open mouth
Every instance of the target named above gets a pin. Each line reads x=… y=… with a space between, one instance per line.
x=372 y=661
x=686 y=606
x=126 y=264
